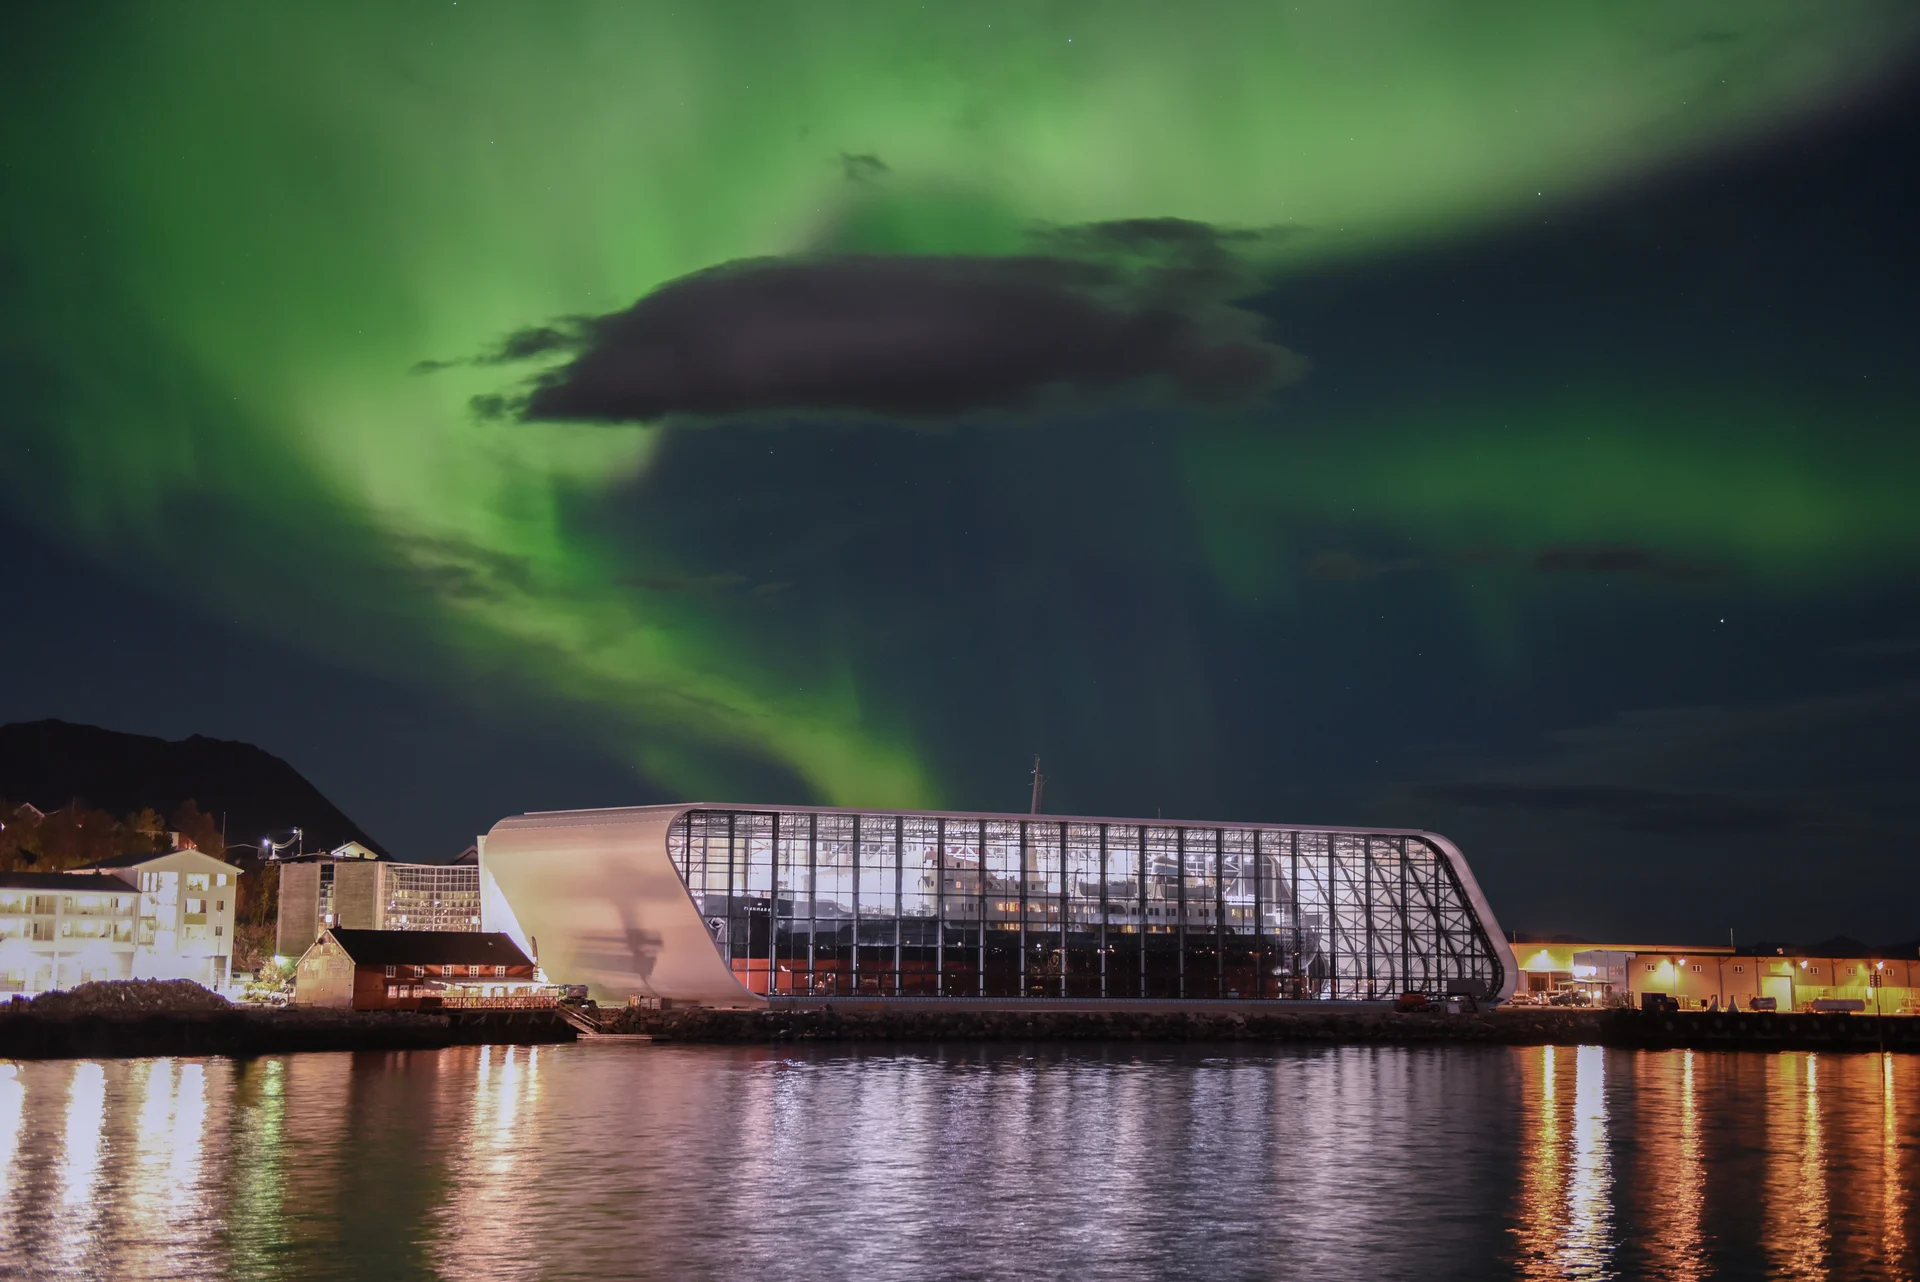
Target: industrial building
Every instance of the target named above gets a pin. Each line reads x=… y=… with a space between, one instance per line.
x=165 y=915
x=1719 y=977
x=748 y=906
x=357 y=891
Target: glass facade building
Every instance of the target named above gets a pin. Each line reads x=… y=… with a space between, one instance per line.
x=743 y=906
x=821 y=903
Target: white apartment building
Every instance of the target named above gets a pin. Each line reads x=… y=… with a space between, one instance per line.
x=149 y=916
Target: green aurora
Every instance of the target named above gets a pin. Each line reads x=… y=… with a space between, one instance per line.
x=231 y=232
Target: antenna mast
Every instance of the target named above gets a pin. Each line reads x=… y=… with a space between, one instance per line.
x=1039 y=785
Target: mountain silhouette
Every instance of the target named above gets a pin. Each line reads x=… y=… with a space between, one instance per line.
x=51 y=763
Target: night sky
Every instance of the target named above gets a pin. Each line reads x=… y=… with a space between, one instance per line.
x=1492 y=419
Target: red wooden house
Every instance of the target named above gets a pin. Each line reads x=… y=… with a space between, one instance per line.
x=418 y=970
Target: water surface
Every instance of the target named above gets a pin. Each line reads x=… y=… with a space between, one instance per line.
x=962 y=1162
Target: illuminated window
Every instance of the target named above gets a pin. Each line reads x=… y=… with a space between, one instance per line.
x=196 y=881
x=499 y=972
x=473 y=971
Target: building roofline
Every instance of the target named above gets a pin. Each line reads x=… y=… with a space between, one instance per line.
x=613 y=812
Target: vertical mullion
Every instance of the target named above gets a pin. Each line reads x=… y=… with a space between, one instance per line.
x=1180 y=887
x=1064 y=900
x=813 y=898
x=1103 y=910
x=773 y=908
x=899 y=899
x=1259 y=922
x=1142 y=830
x=1293 y=898
x=1333 y=928
x=980 y=938
x=940 y=908
x=856 y=906
x=729 y=914
x=1366 y=898
x=1406 y=922
x=1220 y=910
x=1023 y=908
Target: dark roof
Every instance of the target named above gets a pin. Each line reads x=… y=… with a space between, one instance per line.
x=77 y=882
x=137 y=858
x=129 y=861
x=429 y=948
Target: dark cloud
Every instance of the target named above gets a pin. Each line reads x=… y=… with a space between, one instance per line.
x=1650 y=810
x=537 y=340
x=904 y=337
x=1625 y=560
x=696 y=584
x=1609 y=560
x=706 y=584
x=862 y=168
x=523 y=344
x=1350 y=567
x=1164 y=239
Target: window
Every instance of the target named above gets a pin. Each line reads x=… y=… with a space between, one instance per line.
x=219 y=931
x=391 y=970
x=473 y=971
x=1813 y=970
x=196 y=905
x=219 y=905
x=499 y=972
x=1697 y=969
x=220 y=879
x=1650 y=968
x=1739 y=970
x=196 y=881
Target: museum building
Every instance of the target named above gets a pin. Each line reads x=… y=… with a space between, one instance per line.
x=746 y=906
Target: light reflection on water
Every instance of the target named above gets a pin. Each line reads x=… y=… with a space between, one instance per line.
x=959 y=1162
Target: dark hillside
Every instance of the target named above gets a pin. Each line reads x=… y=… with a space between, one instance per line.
x=51 y=763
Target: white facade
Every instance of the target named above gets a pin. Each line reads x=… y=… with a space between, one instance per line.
x=164 y=916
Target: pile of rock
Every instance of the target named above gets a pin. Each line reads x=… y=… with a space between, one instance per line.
x=131 y=997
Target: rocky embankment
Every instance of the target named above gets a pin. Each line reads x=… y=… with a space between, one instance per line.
x=1507 y=1028
x=130 y=1018
x=1524 y=1026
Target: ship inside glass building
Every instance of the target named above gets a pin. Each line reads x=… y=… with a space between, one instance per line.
x=748 y=906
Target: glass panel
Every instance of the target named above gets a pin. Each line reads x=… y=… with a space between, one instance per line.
x=921 y=905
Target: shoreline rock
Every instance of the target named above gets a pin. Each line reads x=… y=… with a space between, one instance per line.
x=1628 y=1029
x=241 y=1032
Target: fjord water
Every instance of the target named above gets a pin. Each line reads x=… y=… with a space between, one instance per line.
x=600 y=1161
